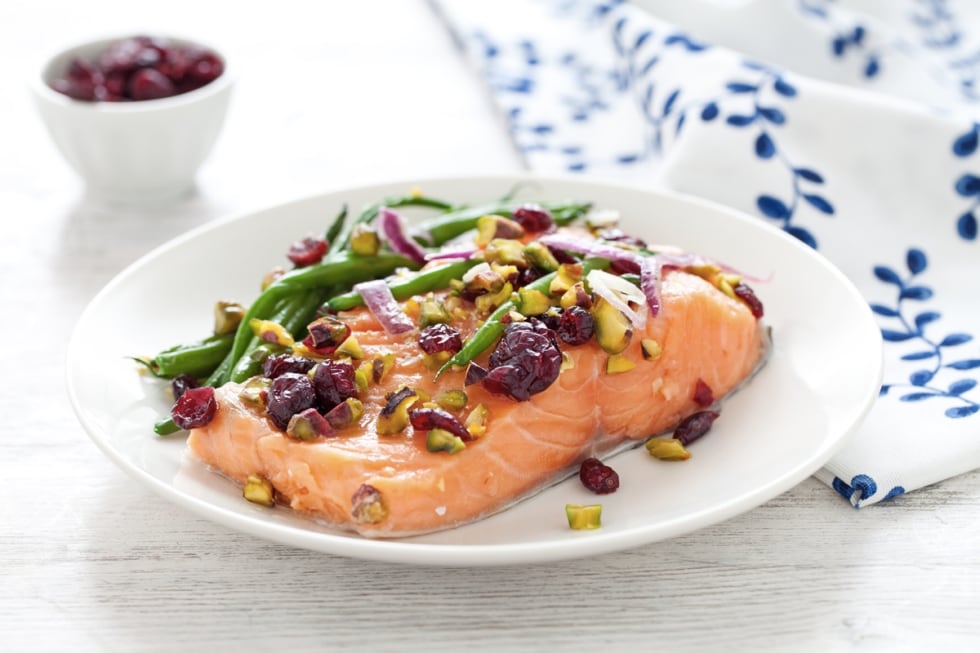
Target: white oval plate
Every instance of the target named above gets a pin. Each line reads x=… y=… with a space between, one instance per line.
x=821 y=379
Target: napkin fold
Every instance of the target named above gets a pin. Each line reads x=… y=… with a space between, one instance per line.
x=849 y=124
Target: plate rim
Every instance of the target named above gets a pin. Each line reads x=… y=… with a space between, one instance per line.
x=468 y=555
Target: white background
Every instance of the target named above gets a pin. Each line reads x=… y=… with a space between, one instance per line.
x=332 y=94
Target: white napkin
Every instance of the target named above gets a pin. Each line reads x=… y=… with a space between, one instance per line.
x=852 y=125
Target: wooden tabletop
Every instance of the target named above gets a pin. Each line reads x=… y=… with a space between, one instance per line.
x=328 y=97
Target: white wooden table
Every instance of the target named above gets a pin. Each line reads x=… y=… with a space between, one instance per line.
x=350 y=93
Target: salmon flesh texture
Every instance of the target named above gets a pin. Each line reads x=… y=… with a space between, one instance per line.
x=704 y=334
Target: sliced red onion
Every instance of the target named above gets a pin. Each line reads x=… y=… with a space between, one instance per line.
x=393 y=229
x=684 y=260
x=451 y=253
x=583 y=246
x=379 y=300
x=650 y=278
x=614 y=289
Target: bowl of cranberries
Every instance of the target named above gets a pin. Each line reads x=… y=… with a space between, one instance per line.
x=135 y=116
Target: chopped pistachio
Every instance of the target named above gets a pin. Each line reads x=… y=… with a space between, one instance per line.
x=259 y=490
x=538 y=254
x=347 y=412
x=491 y=226
x=272 y=276
x=567 y=362
x=393 y=418
x=227 y=317
x=726 y=283
x=667 y=449
x=435 y=361
x=383 y=363
x=490 y=301
x=476 y=421
x=368 y=505
x=451 y=399
x=567 y=275
x=619 y=363
x=364 y=374
x=327 y=331
x=581 y=518
x=254 y=390
x=432 y=311
x=706 y=271
x=576 y=296
x=270 y=331
x=442 y=440
x=364 y=240
x=651 y=349
x=506 y=251
x=351 y=348
x=532 y=302
x=612 y=328
x=308 y=425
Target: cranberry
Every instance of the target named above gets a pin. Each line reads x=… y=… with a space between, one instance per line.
x=308 y=251
x=276 y=366
x=140 y=68
x=149 y=84
x=289 y=394
x=475 y=373
x=695 y=426
x=333 y=382
x=195 y=408
x=426 y=419
x=533 y=218
x=440 y=337
x=598 y=477
x=747 y=295
x=703 y=395
x=575 y=326
x=526 y=361
x=182 y=383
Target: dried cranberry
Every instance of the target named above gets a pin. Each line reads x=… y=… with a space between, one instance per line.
x=703 y=395
x=289 y=394
x=426 y=419
x=276 y=366
x=533 y=218
x=182 y=383
x=80 y=81
x=695 y=426
x=333 y=382
x=149 y=84
x=598 y=477
x=575 y=326
x=528 y=275
x=747 y=295
x=308 y=251
x=440 y=337
x=195 y=408
x=526 y=361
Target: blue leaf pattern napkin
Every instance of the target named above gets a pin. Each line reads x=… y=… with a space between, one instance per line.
x=852 y=125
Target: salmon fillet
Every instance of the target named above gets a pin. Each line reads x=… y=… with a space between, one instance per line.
x=528 y=445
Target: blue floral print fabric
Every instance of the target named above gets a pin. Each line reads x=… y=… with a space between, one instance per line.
x=853 y=125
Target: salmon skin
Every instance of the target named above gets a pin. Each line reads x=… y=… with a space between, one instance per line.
x=393 y=486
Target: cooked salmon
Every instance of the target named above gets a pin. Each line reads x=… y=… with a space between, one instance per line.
x=705 y=335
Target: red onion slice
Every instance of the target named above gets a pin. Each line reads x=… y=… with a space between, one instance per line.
x=631 y=260
x=393 y=229
x=452 y=253
x=379 y=300
x=650 y=278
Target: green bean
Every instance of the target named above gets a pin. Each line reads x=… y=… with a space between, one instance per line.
x=403 y=288
x=447 y=226
x=493 y=327
x=335 y=229
x=196 y=358
x=370 y=212
x=336 y=269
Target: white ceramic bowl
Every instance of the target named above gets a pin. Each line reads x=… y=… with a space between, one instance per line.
x=133 y=151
